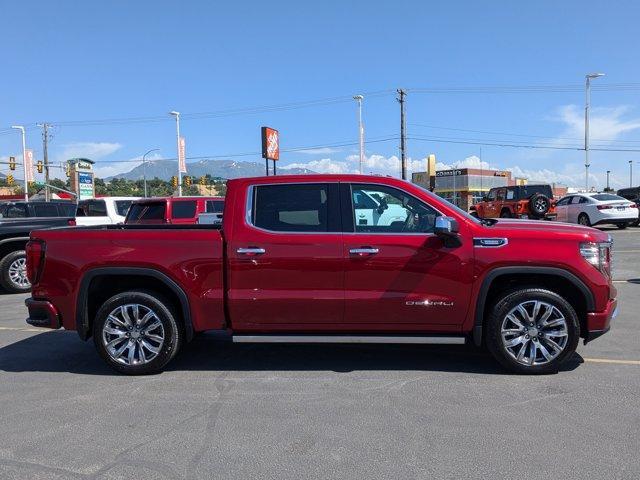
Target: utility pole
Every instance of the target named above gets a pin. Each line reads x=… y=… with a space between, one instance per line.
x=177 y=117
x=630 y=173
x=608 y=172
x=403 y=134
x=45 y=154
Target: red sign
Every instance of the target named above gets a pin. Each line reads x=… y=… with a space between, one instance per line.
x=182 y=164
x=270 y=144
x=28 y=162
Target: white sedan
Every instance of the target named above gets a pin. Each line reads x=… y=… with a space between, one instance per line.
x=596 y=209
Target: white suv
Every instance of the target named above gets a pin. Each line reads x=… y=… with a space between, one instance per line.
x=596 y=209
x=103 y=211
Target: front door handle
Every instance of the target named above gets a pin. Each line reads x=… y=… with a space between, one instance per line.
x=250 y=251
x=362 y=251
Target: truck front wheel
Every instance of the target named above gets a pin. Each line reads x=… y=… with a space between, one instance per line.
x=136 y=333
x=532 y=331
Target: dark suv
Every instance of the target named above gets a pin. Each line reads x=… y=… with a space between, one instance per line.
x=517 y=201
x=632 y=194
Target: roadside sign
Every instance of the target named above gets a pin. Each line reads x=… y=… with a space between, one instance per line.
x=28 y=161
x=182 y=163
x=270 y=144
x=85 y=185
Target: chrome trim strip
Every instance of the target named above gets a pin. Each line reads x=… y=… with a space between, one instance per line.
x=490 y=242
x=417 y=339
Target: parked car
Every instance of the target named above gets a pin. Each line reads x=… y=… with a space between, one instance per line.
x=103 y=211
x=173 y=210
x=596 y=209
x=518 y=201
x=632 y=194
x=17 y=219
x=291 y=263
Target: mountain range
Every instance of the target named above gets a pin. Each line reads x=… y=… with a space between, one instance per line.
x=165 y=169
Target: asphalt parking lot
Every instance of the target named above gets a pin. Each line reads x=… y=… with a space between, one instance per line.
x=291 y=412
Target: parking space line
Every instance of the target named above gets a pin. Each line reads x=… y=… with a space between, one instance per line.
x=611 y=360
x=23 y=329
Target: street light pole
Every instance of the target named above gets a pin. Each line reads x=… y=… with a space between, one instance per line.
x=144 y=169
x=587 y=102
x=608 y=172
x=177 y=115
x=24 y=160
x=359 y=98
x=630 y=173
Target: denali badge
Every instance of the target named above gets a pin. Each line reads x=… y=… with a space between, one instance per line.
x=430 y=303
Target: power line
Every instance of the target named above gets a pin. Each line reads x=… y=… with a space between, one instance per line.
x=520 y=134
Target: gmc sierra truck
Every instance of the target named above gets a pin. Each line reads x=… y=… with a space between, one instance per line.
x=316 y=258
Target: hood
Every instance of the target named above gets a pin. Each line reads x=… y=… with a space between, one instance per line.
x=545 y=228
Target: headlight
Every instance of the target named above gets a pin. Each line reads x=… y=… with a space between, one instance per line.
x=598 y=255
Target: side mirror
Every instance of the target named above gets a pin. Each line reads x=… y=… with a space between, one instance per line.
x=447 y=228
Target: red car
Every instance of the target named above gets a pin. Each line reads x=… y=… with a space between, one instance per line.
x=327 y=258
x=175 y=210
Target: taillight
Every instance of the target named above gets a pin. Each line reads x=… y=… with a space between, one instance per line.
x=604 y=207
x=633 y=205
x=71 y=222
x=35 y=260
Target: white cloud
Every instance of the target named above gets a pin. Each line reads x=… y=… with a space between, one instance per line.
x=319 y=151
x=605 y=123
x=325 y=165
x=90 y=150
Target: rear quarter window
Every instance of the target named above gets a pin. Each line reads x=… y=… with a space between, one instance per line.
x=122 y=207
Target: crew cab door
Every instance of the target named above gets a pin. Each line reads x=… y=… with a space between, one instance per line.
x=285 y=258
x=399 y=276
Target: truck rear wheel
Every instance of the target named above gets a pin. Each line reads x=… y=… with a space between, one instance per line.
x=532 y=331
x=136 y=333
x=13 y=272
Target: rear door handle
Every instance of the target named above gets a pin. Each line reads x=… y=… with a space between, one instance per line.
x=362 y=251
x=251 y=251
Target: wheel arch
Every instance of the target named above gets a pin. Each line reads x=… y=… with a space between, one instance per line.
x=134 y=278
x=560 y=279
x=8 y=245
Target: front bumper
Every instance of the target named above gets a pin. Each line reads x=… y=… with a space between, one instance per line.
x=599 y=323
x=42 y=314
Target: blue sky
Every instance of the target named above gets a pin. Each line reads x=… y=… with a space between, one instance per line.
x=71 y=61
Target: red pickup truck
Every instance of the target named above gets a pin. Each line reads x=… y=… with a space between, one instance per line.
x=327 y=258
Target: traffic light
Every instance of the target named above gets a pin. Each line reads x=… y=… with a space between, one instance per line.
x=187 y=181
x=10 y=180
x=67 y=169
x=12 y=163
x=203 y=180
x=174 y=181
x=39 y=166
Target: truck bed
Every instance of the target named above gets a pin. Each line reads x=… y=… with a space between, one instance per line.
x=191 y=256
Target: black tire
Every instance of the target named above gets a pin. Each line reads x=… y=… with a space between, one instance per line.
x=583 y=219
x=170 y=329
x=8 y=266
x=498 y=315
x=505 y=213
x=539 y=205
x=622 y=226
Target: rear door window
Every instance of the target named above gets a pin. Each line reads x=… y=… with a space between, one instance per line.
x=292 y=208
x=45 y=210
x=183 y=209
x=67 y=210
x=96 y=208
x=16 y=211
x=511 y=194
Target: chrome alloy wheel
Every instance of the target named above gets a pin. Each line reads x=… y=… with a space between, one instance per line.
x=540 y=205
x=18 y=272
x=133 y=334
x=534 y=332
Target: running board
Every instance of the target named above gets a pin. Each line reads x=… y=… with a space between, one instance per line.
x=437 y=340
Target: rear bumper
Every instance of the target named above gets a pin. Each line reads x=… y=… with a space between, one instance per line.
x=599 y=323
x=42 y=314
